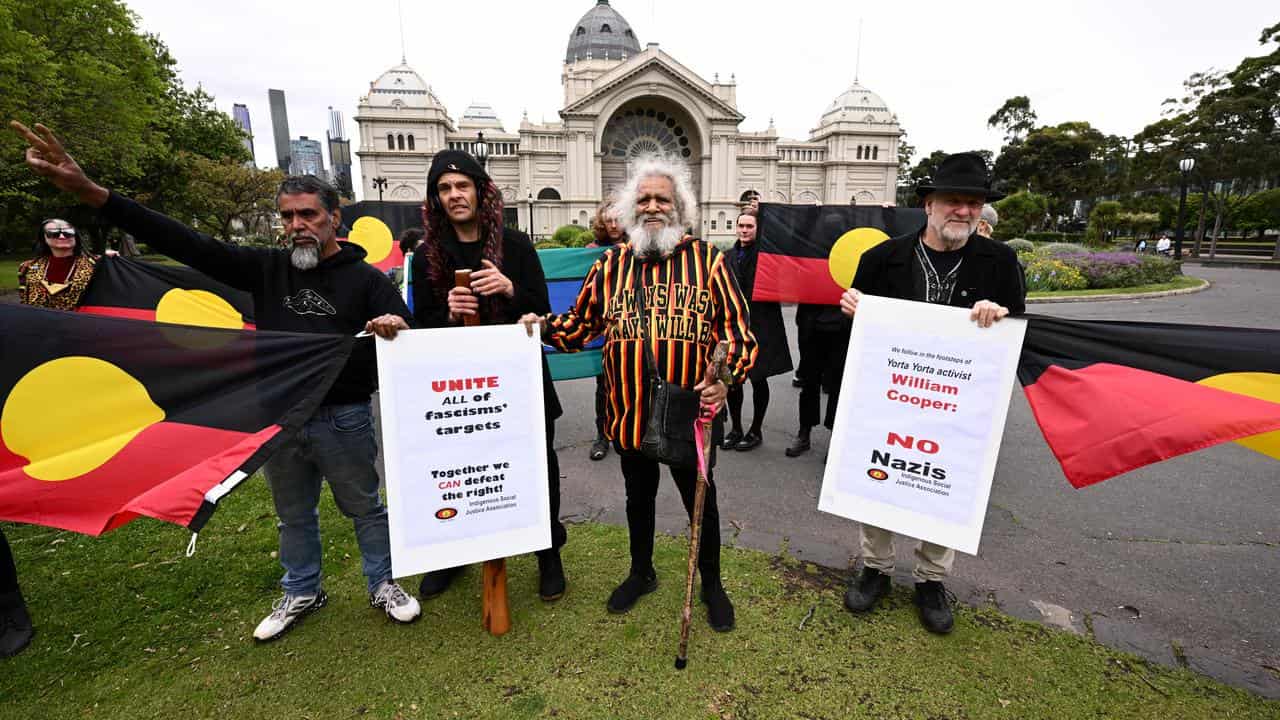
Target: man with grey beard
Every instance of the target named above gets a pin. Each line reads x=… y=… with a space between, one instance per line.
x=668 y=298
x=946 y=263
x=315 y=285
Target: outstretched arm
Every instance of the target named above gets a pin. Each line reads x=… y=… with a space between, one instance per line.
x=50 y=160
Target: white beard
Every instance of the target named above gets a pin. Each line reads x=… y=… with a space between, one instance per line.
x=657 y=243
x=305 y=257
x=955 y=237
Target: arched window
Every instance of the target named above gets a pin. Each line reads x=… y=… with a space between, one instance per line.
x=391 y=142
x=582 y=30
x=548 y=194
x=605 y=28
x=411 y=142
x=399 y=142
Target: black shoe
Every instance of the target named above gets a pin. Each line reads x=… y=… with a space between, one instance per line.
x=599 y=448
x=437 y=581
x=550 y=575
x=934 y=603
x=799 y=446
x=750 y=441
x=866 y=589
x=624 y=596
x=731 y=440
x=796 y=381
x=15 y=624
x=719 y=608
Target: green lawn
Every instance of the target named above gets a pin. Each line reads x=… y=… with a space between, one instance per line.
x=130 y=628
x=1179 y=283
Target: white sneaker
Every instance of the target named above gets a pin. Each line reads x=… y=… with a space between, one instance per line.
x=285 y=612
x=398 y=604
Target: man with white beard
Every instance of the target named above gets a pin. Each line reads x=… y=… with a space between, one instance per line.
x=316 y=285
x=946 y=263
x=673 y=296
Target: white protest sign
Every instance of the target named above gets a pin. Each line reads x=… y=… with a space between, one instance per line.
x=463 y=446
x=921 y=413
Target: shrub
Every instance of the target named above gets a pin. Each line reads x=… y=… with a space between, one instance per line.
x=1062 y=249
x=1019 y=213
x=1019 y=245
x=1122 y=269
x=546 y=245
x=1047 y=273
x=565 y=235
x=1055 y=237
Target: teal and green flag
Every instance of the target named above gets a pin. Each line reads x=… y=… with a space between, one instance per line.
x=565 y=268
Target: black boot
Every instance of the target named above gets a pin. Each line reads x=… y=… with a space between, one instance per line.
x=935 y=607
x=599 y=448
x=551 y=582
x=15 y=624
x=866 y=589
x=800 y=445
x=719 y=609
x=437 y=581
x=624 y=596
x=731 y=439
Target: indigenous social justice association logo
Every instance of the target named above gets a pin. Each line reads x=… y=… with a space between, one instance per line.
x=877 y=474
x=447 y=513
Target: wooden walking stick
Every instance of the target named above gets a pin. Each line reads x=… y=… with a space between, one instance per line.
x=715 y=370
x=495 y=614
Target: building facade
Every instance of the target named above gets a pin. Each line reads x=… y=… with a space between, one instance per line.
x=240 y=114
x=621 y=101
x=339 y=153
x=279 y=127
x=306 y=158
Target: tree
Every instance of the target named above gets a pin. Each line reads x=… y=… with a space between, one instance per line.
x=905 y=152
x=1063 y=162
x=226 y=196
x=1103 y=219
x=1015 y=117
x=1019 y=213
x=1260 y=211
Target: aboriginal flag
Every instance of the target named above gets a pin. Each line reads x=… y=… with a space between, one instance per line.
x=810 y=253
x=106 y=419
x=165 y=293
x=1111 y=397
x=376 y=227
x=565 y=269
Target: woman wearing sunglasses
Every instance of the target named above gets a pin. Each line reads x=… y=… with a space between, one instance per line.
x=57 y=276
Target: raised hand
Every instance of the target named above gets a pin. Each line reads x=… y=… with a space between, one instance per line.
x=49 y=159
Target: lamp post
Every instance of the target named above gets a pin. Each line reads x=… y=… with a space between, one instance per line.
x=482 y=151
x=1186 y=165
x=530 y=215
x=380 y=184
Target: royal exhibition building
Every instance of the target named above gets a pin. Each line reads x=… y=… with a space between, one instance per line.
x=622 y=100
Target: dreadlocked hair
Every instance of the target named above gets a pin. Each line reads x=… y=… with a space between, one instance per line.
x=441 y=266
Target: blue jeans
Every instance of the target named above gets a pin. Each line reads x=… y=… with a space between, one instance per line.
x=337 y=445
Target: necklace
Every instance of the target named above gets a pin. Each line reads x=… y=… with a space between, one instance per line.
x=938 y=289
x=55 y=288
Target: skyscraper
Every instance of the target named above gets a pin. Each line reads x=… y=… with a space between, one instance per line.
x=280 y=128
x=339 y=153
x=240 y=113
x=306 y=157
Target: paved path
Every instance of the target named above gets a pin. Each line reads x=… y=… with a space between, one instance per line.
x=1191 y=544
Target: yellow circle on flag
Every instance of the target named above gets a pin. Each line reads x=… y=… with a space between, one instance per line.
x=842 y=263
x=197 y=307
x=1261 y=385
x=70 y=415
x=374 y=236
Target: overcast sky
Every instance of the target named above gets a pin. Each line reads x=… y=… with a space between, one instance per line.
x=943 y=67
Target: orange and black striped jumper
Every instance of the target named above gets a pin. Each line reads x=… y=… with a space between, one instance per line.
x=692 y=302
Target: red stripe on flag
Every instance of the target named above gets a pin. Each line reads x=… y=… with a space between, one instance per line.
x=786 y=278
x=120 y=312
x=162 y=473
x=1104 y=419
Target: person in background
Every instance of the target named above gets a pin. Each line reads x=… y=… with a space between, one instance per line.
x=409 y=241
x=987 y=221
x=61 y=270
x=608 y=233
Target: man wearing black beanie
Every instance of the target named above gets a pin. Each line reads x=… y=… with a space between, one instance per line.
x=462 y=218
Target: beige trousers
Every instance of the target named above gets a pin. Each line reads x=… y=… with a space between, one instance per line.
x=933 y=562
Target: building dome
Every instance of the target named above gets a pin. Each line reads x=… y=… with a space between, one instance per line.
x=480 y=115
x=858 y=104
x=404 y=84
x=603 y=34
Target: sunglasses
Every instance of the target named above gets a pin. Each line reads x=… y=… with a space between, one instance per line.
x=64 y=232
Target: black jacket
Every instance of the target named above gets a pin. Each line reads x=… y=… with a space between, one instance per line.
x=519 y=263
x=989 y=270
x=773 y=357
x=338 y=296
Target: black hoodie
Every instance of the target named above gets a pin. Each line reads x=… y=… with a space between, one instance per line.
x=338 y=296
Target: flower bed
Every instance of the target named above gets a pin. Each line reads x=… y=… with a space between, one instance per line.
x=1046 y=271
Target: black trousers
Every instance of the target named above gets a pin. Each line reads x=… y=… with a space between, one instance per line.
x=822 y=356
x=600 y=401
x=759 y=403
x=8 y=572
x=642 y=475
x=558 y=534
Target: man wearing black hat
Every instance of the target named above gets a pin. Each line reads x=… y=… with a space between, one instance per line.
x=946 y=263
x=462 y=217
